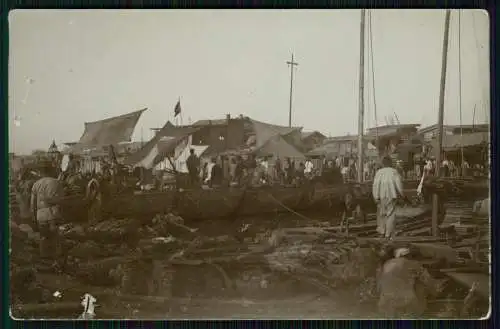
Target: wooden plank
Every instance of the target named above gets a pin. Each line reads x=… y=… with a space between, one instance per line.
x=412 y=212
x=407 y=239
x=354 y=227
x=436 y=250
x=305 y=230
x=417 y=232
x=473 y=268
x=468 y=279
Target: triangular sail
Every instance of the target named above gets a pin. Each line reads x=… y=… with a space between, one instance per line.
x=110 y=131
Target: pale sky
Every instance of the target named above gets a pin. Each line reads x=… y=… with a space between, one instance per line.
x=67 y=67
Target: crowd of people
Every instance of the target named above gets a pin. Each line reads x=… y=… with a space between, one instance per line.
x=238 y=169
x=248 y=169
x=420 y=165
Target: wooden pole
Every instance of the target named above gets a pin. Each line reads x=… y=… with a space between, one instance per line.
x=460 y=86
x=474 y=119
x=361 y=96
x=435 y=199
x=292 y=64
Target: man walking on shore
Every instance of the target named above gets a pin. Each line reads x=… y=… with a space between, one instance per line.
x=387 y=188
x=46 y=195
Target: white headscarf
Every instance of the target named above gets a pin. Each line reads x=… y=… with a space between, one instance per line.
x=401 y=252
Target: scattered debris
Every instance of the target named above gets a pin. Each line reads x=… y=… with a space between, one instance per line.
x=161 y=258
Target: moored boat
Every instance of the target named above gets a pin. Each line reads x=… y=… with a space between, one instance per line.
x=201 y=204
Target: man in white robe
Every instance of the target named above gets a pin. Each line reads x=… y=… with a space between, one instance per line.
x=308 y=168
x=387 y=188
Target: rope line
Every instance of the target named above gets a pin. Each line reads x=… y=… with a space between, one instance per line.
x=287 y=208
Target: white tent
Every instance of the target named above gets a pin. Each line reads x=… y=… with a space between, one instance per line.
x=182 y=152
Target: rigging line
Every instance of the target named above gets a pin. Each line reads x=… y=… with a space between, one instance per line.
x=370 y=38
x=460 y=84
x=482 y=87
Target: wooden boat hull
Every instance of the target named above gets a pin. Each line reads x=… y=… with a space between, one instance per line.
x=139 y=204
x=328 y=197
x=202 y=204
x=265 y=200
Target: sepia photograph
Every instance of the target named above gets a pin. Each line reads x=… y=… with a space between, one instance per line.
x=249 y=164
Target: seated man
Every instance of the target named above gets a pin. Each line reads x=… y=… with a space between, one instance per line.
x=404 y=286
x=352 y=211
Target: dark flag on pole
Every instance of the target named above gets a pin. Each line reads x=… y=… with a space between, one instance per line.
x=177 y=109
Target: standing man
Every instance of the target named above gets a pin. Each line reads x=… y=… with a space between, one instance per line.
x=251 y=167
x=239 y=169
x=93 y=196
x=217 y=174
x=46 y=196
x=278 y=168
x=445 y=167
x=290 y=170
x=193 y=166
x=465 y=168
x=387 y=188
x=308 y=168
x=264 y=170
x=366 y=170
x=338 y=162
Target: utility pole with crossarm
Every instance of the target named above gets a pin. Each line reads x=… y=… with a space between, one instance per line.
x=291 y=64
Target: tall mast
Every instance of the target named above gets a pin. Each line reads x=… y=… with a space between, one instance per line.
x=361 y=95
x=460 y=86
x=442 y=89
x=435 y=201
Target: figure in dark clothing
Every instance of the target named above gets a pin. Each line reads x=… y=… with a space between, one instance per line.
x=193 y=166
x=299 y=174
x=251 y=163
x=331 y=175
x=445 y=168
x=290 y=175
x=217 y=175
x=421 y=165
x=250 y=166
x=238 y=172
x=279 y=170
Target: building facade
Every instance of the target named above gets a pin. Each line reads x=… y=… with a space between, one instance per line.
x=430 y=133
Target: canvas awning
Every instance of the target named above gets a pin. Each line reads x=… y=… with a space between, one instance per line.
x=159 y=151
x=264 y=131
x=278 y=146
x=163 y=142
